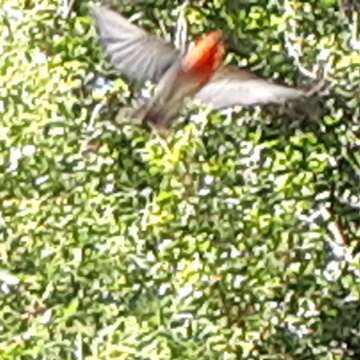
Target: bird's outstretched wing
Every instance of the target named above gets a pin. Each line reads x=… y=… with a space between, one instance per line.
x=232 y=86
x=135 y=53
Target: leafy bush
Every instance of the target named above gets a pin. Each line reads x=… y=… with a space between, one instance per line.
x=236 y=237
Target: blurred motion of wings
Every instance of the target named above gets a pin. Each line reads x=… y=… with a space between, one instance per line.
x=141 y=56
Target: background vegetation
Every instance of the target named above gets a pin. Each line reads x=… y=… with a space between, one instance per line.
x=237 y=237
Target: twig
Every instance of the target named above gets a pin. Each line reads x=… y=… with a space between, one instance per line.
x=68 y=8
x=181 y=30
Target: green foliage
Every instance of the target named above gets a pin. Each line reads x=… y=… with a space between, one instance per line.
x=236 y=237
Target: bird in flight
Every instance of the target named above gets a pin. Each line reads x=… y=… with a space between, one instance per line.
x=198 y=72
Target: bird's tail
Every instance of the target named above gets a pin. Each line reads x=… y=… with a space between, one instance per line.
x=134 y=113
x=143 y=113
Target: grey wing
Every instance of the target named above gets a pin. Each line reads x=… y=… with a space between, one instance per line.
x=135 y=53
x=232 y=86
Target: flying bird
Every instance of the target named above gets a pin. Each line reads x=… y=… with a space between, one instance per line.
x=198 y=72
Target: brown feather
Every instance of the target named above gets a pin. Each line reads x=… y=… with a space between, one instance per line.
x=135 y=53
x=232 y=86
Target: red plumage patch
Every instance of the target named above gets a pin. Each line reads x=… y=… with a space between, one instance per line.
x=205 y=56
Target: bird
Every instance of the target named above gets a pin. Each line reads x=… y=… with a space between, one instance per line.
x=198 y=72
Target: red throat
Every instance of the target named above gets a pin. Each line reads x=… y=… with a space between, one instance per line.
x=205 y=56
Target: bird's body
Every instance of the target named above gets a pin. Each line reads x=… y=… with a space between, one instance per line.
x=197 y=73
x=184 y=78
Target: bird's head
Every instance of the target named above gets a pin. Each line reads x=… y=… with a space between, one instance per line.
x=205 y=55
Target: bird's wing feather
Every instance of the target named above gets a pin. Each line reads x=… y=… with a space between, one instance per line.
x=232 y=86
x=135 y=53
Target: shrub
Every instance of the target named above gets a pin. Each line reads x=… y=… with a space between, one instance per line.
x=233 y=238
